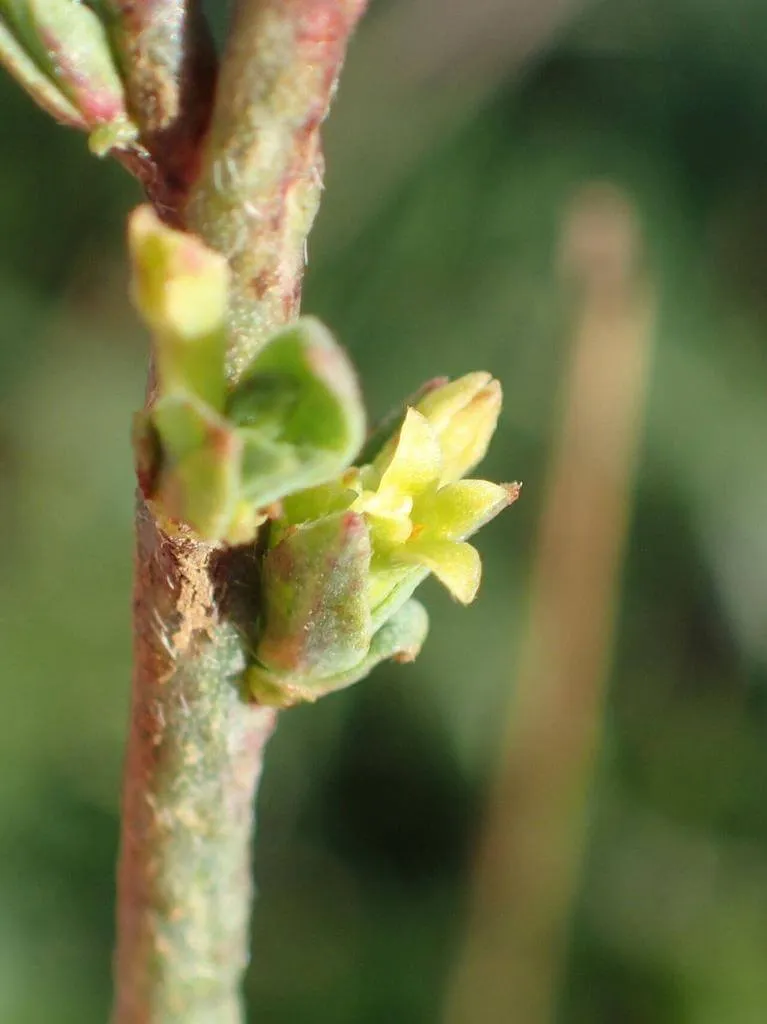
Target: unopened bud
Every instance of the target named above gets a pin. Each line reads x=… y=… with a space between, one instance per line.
x=180 y=287
x=68 y=43
x=463 y=415
x=317 y=619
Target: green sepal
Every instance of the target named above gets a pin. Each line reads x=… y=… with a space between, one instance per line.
x=401 y=638
x=315 y=590
x=392 y=584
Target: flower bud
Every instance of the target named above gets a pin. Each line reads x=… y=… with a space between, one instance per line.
x=67 y=43
x=463 y=415
x=180 y=287
x=400 y=638
x=317 y=619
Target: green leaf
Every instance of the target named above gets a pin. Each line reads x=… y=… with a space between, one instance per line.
x=300 y=413
x=401 y=638
x=271 y=469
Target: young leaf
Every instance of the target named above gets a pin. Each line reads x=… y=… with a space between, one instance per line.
x=300 y=413
x=67 y=42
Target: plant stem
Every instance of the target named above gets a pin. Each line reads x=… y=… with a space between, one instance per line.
x=259 y=189
x=193 y=765
x=168 y=63
x=196 y=743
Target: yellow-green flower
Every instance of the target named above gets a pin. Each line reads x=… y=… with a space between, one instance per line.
x=418 y=509
x=345 y=558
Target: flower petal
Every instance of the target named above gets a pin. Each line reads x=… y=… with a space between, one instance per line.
x=456 y=566
x=415 y=463
x=458 y=510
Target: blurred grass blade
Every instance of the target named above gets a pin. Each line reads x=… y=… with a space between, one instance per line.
x=530 y=853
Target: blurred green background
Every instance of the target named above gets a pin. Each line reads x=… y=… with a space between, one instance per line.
x=461 y=136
